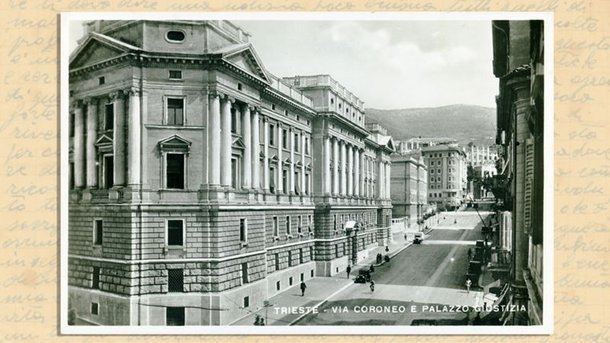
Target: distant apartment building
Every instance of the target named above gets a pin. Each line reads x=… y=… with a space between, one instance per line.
x=202 y=185
x=447 y=178
x=414 y=145
x=477 y=155
x=409 y=187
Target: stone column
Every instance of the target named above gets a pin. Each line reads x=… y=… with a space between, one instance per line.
x=357 y=181
x=326 y=167
x=214 y=139
x=266 y=153
x=246 y=167
x=79 y=146
x=303 y=183
x=256 y=150
x=350 y=170
x=291 y=144
x=280 y=163
x=135 y=137
x=119 y=138
x=343 y=170
x=388 y=180
x=380 y=183
x=335 y=166
x=91 y=138
x=226 y=140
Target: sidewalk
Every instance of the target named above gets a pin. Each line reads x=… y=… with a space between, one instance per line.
x=286 y=305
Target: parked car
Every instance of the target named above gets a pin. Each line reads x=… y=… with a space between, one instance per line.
x=418 y=238
x=364 y=276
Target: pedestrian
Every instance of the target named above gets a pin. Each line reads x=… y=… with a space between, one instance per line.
x=469 y=254
x=348 y=270
x=372 y=286
x=257 y=320
x=372 y=270
x=303 y=286
x=405 y=236
x=468 y=284
x=262 y=322
x=387 y=248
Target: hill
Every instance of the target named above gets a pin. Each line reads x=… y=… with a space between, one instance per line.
x=466 y=123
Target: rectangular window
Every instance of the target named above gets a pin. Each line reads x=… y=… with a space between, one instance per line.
x=309 y=223
x=277 y=286
x=272 y=180
x=246 y=302
x=289 y=258
x=307 y=184
x=175 y=111
x=311 y=254
x=290 y=281
x=288 y=225
x=71 y=172
x=307 y=145
x=175 y=232
x=108 y=171
x=301 y=256
x=296 y=142
x=336 y=250
x=243 y=230
x=174 y=316
x=109 y=117
x=299 y=224
x=175 y=171
x=271 y=134
x=95 y=284
x=101 y=80
x=95 y=307
x=98 y=232
x=276 y=228
x=302 y=277
x=244 y=273
x=311 y=273
x=277 y=261
x=284 y=138
x=285 y=180
x=234 y=173
x=175 y=74
x=335 y=222
x=297 y=183
x=175 y=280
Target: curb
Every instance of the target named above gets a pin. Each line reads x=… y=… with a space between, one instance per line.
x=320 y=303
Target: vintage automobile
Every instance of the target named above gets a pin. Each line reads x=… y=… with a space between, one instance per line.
x=418 y=238
x=364 y=276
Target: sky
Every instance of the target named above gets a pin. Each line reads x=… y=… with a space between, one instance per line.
x=387 y=64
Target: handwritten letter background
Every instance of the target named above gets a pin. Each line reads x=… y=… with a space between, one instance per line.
x=29 y=113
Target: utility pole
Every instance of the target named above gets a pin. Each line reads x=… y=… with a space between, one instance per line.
x=266 y=305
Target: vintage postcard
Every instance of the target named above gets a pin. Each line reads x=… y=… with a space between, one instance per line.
x=306 y=173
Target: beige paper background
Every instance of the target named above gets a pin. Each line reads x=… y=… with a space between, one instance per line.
x=29 y=112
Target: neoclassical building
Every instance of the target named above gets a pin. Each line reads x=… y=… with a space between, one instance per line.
x=201 y=184
x=409 y=187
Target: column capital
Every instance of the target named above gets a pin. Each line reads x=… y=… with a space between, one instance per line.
x=116 y=95
x=76 y=103
x=90 y=100
x=227 y=97
x=214 y=94
x=132 y=91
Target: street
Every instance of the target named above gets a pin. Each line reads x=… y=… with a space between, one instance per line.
x=417 y=282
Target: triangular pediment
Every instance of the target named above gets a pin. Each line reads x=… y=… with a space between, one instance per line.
x=174 y=142
x=390 y=144
x=103 y=140
x=97 y=48
x=238 y=143
x=274 y=159
x=245 y=57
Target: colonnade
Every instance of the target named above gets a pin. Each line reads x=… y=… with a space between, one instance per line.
x=126 y=139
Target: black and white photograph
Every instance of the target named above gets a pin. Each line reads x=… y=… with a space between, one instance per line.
x=306 y=173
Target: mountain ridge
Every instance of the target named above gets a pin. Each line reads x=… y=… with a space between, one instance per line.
x=465 y=123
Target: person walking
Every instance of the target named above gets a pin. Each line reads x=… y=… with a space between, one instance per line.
x=348 y=270
x=468 y=284
x=469 y=254
x=372 y=286
x=303 y=286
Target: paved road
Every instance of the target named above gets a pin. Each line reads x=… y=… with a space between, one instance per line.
x=432 y=273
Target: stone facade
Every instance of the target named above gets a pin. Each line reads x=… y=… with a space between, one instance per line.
x=519 y=66
x=200 y=183
x=409 y=187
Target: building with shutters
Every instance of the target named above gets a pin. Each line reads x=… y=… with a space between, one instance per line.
x=201 y=184
x=519 y=66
